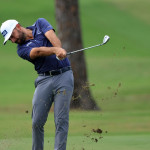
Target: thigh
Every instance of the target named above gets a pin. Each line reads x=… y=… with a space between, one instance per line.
x=42 y=99
x=63 y=95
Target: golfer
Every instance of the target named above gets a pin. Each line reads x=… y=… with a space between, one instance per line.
x=39 y=45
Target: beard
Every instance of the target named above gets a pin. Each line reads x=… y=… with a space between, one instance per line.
x=22 y=38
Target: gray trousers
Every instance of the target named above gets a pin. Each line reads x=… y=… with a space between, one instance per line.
x=57 y=89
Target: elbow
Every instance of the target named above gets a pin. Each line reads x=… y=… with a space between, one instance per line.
x=34 y=53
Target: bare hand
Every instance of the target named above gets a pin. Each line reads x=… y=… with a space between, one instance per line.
x=61 y=53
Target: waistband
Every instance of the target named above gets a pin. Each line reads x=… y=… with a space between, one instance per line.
x=55 y=72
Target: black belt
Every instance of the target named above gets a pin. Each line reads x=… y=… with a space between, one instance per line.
x=55 y=72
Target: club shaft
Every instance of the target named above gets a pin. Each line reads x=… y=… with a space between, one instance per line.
x=69 y=53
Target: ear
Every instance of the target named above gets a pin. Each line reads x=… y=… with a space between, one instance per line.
x=18 y=26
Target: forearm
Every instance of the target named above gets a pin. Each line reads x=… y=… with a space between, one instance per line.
x=42 y=51
x=47 y=51
x=52 y=37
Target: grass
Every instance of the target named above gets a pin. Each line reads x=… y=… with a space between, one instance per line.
x=18 y=124
x=121 y=129
x=131 y=74
x=118 y=74
x=132 y=142
x=137 y=8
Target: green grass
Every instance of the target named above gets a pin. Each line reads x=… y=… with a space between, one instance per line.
x=137 y=8
x=121 y=129
x=132 y=75
x=133 y=142
x=18 y=124
x=118 y=73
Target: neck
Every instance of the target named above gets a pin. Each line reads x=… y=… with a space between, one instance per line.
x=28 y=33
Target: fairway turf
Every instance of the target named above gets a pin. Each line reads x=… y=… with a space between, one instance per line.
x=118 y=75
x=121 y=130
x=125 y=130
x=124 y=142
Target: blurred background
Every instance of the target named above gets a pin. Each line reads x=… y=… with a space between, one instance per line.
x=118 y=76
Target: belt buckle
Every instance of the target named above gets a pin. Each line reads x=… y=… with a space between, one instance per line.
x=61 y=71
x=50 y=73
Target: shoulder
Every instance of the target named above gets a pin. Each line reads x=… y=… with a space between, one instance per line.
x=24 y=51
x=21 y=49
x=43 y=25
x=41 y=21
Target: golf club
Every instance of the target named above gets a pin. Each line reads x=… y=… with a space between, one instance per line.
x=105 y=40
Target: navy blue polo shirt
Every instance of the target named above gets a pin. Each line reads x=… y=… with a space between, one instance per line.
x=46 y=63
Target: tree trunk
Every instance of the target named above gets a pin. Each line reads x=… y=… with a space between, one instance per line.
x=69 y=32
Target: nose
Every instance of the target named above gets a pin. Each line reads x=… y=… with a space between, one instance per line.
x=12 y=40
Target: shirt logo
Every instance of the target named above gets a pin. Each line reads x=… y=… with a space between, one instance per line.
x=4 y=33
x=29 y=43
x=38 y=32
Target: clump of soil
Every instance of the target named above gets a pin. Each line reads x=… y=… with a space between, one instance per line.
x=95 y=134
x=97 y=131
x=94 y=139
x=26 y=111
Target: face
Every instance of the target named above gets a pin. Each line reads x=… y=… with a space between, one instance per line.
x=17 y=36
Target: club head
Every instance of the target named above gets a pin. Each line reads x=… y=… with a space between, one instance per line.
x=106 y=39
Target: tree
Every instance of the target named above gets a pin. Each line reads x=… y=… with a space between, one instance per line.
x=69 y=32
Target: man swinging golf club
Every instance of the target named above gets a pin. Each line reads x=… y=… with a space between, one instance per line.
x=39 y=45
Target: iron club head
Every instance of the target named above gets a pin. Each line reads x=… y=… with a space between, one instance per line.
x=106 y=39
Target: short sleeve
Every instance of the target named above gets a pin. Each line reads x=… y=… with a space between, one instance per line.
x=44 y=25
x=24 y=52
